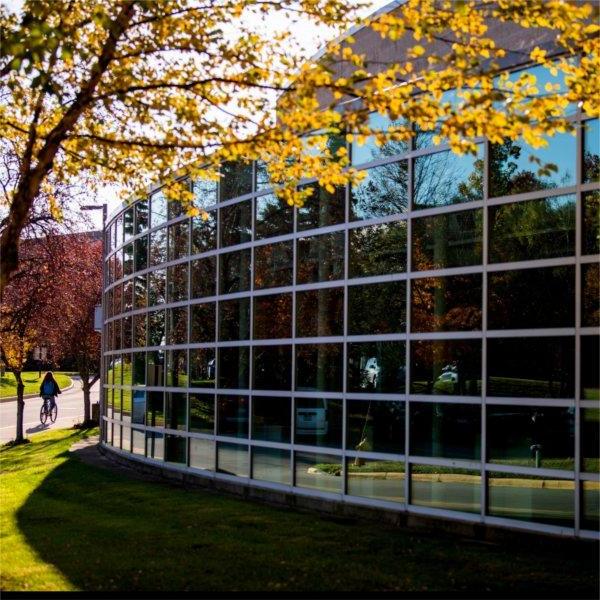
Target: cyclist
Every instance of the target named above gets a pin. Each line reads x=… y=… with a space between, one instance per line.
x=49 y=390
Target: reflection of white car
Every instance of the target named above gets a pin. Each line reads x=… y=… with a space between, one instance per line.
x=312 y=420
x=370 y=373
x=449 y=376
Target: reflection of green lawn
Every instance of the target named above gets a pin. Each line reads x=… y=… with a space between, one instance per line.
x=196 y=383
x=120 y=370
x=444 y=388
x=591 y=393
x=523 y=388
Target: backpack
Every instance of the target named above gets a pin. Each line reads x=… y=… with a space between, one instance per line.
x=48 y=388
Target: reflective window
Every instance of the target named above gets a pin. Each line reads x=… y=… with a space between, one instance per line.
x=272 y=367
x=591 y=223
x=156 y=328
x=591 y=150
x=128 y=224
x=179 y=240
x=320 y=312
x=155 y=409
x=204 y=232
x=590 y=374
x=375 y=426
x=233 y=367
x=446 y=303
x=234 y=272
x=236 y=223
x=531 y=498
x=141 y=253
x=158 y=246
x=234 y=319
x=127 y=333
x=128 y=259
x=530 y=298
x=158 y=209
x=141 y=216
x=446 y=367
x=272 y=317
x=273 y=217
x=202 y=367
x=377 y=250
x=175 y=449
x=273 y=265
x=155 y=368
x=205 y=192
x=176 y=410
x=177 y=278
x=534 y=229
x=155 y=445
x=379 y=479
x=232 y=416
x=232 y=459
x=202 y=454
x=590 y=440
x=177 y=375
x=318 y=422
x=140 y=291
x=139 y=331
x=531 y=367
x=377 y=308
x=157 y=287
x=236 y=180
x=202 y=322
x=263 y=180
x=138 y=364
x=271 y=419
x=175 y=207
x=202 y=413
x=590 y=295
x=321 y=258
x=271 y=464
x=516 y=167
x=204 y=277
x=590 y=517
x=178 y=325
x=370 y=150
x=447 y=488
x=119 y=230
x=383 y=192
x=319 y=367
x=377 y=367
x=322 y=208
x=318 y=471
x=138 y=442
x=450 y=240
x=138 y=413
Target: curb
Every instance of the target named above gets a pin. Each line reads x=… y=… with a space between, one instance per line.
x=29 y=396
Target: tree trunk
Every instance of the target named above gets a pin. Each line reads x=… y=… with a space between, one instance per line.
x=85 y=384
x=20 y=407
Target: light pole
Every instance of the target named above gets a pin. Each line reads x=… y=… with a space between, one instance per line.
x=101 y=396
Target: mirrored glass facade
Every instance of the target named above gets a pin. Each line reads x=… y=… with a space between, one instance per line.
x=427 y=340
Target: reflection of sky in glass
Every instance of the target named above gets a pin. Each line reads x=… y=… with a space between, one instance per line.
x=382 y=192
x=369 y=150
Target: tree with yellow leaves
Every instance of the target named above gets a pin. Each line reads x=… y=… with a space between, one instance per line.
x=130 y=92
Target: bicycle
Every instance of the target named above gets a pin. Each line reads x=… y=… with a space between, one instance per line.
x=48 y=413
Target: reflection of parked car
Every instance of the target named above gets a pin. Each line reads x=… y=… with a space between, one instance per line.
x=449 y=376
x=211 y=369
x=312 y=420
x=370 y=373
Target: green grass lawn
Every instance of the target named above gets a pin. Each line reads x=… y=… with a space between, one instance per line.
x=70 y=526
x=8 y=383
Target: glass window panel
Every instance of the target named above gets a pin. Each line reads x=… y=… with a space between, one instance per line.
x=204 y=232
x=127 y=295
x=590 y=295
x=530 y=298
x=516 y=167
x=117 y=404
x=141 y=253
x=591 y=150
x=155 y=445
x=318 y=471
x=322 y=208
x=177 y=277
x=377 y=367
x=369 y=150
x=175 y=449
x=128 y=259
x=158 y=209
x=320 y=313
x=138 y=442
x=175 y=207
x=179 y=239
x=273 y=265
x=119 y=230
x=141 y=216
x=128 y=224
x=232 y=459
x=202 y=413
x=155 y=368
x=118 y=262
x=542 y=228
x=126 y=367
x=126 y=405
x=377 y=250
x=232 y=416
x=375 y=426
x=140 y=291
x=177 y=325
x=446 y=303
x=272 y=317
x=138 y=413
x=176 y=410
x=236 y=180
x=319 y=367
x=591 y=223
x=318 y=422
x=272 y=464
x=447 y=488
x=445 y=178
x=234 y=319
x=531 y=498
x=383 y=192
x=139 y=330
x=202 y=454
x=202 y=367
x=273 y=217
x=202 y=322
x=236 y=223
x=377 y=308
x=445 y=430
x=138 y=376
x=158 y=246
x=234 y=272
x=157 y=286
x=531 y=367
x=590 y=374
x=126 y=341
x=233 y=368
x=117 y=333
x=204 y=277
x=272 y=367
x=447 y=367
x=321 y=258
x=263 y=180
x=450 y=240
x=379 y=479
x=271 y=419
x=590 y=517
x=177 y=368
x=155 y=409
x=590 y=440
x=205 y=192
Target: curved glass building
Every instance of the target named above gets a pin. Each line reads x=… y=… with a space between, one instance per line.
x=427 y=341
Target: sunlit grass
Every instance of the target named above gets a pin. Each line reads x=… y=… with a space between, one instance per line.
x=8 y=383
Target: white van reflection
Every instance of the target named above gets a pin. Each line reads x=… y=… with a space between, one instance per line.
x=312 y=420
x=370 y=373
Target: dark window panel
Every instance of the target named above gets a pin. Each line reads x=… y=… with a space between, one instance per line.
x=318 y=422
x=177 y=373
x=155 y=368
x=127 y=333
x=273 y=265
x=177 y=327
x=202 y=367
x=204 y=277
x=322 y=208
x=175 y=449
x=236 y=223
x=138 y=366
x=271 y=419
x=156 y=328
x=273 y=217
x=232 y=459
x=177 y=281
x=590 y=514
x=141 y=253
x=375 y=426
x=321 y=258
x=591 y=150
x=232 y=416
x=319 y=367
x=236 y=180
x=531 y=367
x=128 y=224
x=155 y=409
x=591 y=223
x=138 y=414
x=202 y=413
x=590 y=374
x=534 y=229
x=202 y=327
x=377 y=308
x=590 y=440
x=271 y=464
x=234 y=272
x=590 y=295
x=377 y=367
x=204 y=232
x=444 y=241
x=272 y=317
x=234 y=319
x=141 y=216
x=272 y=367
x=155 y=445
x=140 y=330
x=179 y=240
x=233 y=367
x=176 y=410
x=320 y=313
x=128 y=259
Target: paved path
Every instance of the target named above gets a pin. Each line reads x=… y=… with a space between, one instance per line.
x=70 y=412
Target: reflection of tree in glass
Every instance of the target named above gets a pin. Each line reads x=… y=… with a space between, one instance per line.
x=156 y=328
x=158 y=246
x=322 y=208
x=273 y=265
x=204 y=233
x=157 y=287
x=590 y=316
x=236 y=180
x=236 y=224
x=273 y=217
x=273 y=316
x=591 y=223
x=377 y=250
x=139 y=330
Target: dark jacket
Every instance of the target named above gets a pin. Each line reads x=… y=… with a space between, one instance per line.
x=55 y=392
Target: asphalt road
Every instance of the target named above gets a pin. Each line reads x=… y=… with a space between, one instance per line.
x=70 y=412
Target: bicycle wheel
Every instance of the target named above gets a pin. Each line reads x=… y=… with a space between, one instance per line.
x=43 y=414
x=53 y=413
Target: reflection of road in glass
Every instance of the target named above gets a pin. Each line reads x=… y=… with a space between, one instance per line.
x=462 y=495
x=309 y=477
x=271 y=465
x=384 y=486
x=232 y=459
